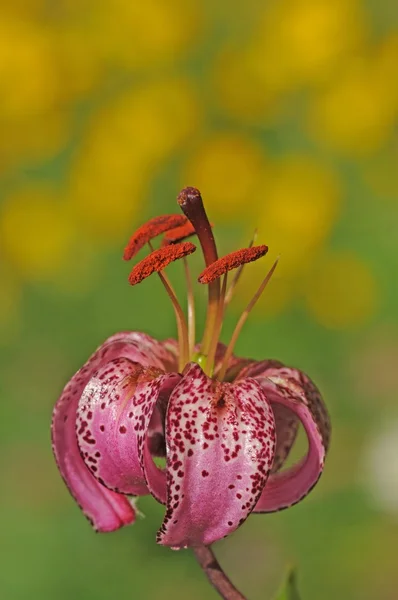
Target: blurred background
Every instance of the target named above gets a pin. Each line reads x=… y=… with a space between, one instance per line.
x=284 y=113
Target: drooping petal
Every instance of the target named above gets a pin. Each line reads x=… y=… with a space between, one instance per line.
x=113 y=418
x=293 y=390
x=106 y=509
x=220 y=445
x=286 y=422
x=286 y=425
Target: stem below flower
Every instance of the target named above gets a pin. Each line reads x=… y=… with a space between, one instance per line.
x=215 y=574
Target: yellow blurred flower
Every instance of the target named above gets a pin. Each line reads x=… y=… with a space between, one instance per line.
x=24 y=9
x=358 y=111
x=35 y=235
x=244 y=85
x=295 y=43
x=127 y=142
x=28 y=75
x=342 y=291
x=134 y=33
x=301 y=202
x=99 y=36
x=33 y=138
x=33 y=123
x=308 y=38
x=229 y=169
x=297 y=206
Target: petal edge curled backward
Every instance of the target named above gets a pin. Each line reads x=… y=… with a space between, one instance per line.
x=294 y=390
x=113 y=418
x=221 y=441
x=105 y=509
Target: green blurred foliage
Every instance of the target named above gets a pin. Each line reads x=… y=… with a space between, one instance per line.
x=289 y=590
x=284 y=113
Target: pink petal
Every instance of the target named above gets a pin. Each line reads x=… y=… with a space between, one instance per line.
x=220 y=446
x=286 y=422
x=286 y=425
x=293 y=390
x=105 y=425
x=106 y=509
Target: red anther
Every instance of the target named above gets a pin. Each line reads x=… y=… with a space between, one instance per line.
x=151 y=229
x=159 y=259
x=178 y=233
x=231 y=261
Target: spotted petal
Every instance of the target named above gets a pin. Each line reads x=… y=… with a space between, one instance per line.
x=113 y=419
x=286 y=422
x=293 y=390
x=106 y=509
x=220 y=446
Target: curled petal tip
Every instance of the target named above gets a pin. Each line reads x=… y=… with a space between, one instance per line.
x=107 y=510
x=294 y=391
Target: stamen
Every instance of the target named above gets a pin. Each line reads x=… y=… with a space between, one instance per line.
x=158 y=260
x=242 y=321
x=181 y=324
x=231 y=261
x=151 y=229
x=178 y=234
x=182 y=330
x=191 y=204
x=238 y=275
x=191 y=308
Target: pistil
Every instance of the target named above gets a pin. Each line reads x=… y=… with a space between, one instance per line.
x=191 y=204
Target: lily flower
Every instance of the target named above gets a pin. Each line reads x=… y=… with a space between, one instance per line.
x=224 y=425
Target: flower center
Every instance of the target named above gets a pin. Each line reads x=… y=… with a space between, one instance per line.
x=177 y=228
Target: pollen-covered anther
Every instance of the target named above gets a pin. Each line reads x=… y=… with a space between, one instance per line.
x=178 y=234
x=231 y=261
x=151 y=229
x=159 y=259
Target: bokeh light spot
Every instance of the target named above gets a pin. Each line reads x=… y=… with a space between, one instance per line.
x=229 y=170
x=342 y=291
x=34 y=232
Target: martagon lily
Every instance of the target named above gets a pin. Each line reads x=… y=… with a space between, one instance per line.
x=224 y=425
